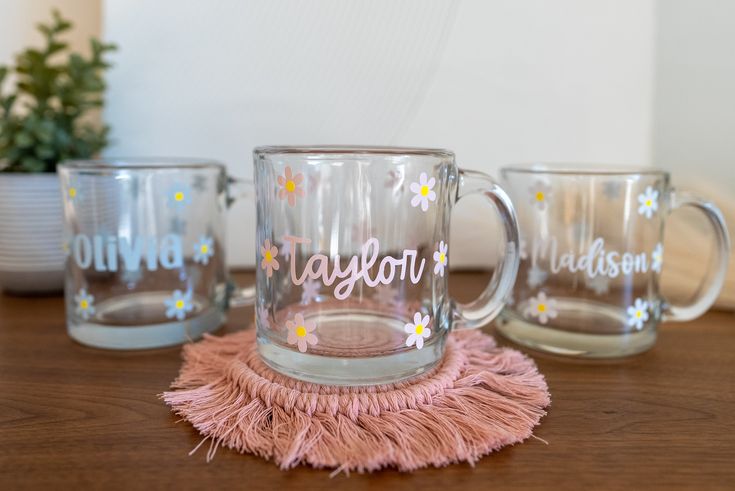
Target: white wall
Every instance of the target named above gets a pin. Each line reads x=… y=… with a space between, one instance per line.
x=496 y=81
x=538 y=80
x=695 y=92
x=694 y=131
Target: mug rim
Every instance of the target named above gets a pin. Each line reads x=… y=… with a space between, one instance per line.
x=351 y=150
x=581 y=169
x=141 y=163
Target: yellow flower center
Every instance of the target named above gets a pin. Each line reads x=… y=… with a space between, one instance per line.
x=419 y=329
x=442 y=257
x=290 y=186
x=204 y=249
x=179 y=304
x=541 y=307
x=638 y=314
x=268 y=256
x=84 y=304
x=301 y=331
x=424 y=190
x=179 y=196
x=72 y=192
x=539 y=196
x=649 y=202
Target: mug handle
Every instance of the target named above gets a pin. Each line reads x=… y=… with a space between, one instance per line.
x=238 y=296
x=718 y=265
x=491 y=301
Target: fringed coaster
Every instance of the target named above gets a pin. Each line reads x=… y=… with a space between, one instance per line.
x=479 y=399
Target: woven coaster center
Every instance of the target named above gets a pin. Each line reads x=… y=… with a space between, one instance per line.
x=255 y=377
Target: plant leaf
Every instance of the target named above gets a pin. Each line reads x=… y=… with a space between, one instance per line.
x=50 y=124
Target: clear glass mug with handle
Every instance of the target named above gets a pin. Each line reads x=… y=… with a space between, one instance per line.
x=591 y=256
x=146 y=257
x=352 y=260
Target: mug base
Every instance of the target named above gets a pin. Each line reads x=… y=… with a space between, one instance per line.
x=133 y=322
x=332 y=370
x=557 y=341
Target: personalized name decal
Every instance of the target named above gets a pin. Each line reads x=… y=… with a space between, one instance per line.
x=358 y=267
x=109 y=252
x=595 y=261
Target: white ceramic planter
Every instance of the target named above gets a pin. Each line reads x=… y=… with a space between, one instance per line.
x=31 y=220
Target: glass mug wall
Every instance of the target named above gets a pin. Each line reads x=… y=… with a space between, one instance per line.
x=591 y=254
x=352 y=260
x=145 y=244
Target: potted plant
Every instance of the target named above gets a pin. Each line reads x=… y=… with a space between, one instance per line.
x=46 y=116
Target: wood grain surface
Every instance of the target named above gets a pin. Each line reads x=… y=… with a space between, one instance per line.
x=73 y=417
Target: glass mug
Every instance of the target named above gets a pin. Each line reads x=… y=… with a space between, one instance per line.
x=145 y=243
x=352 y=266
x=591 y=254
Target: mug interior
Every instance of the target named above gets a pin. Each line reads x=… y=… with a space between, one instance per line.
x=580 y=168
x=141 y=163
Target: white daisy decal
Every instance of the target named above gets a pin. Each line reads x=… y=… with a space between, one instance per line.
x=84 y=304
x=423 y=191
x=301 y=332
x=179 y=195
x=536 y=276
x=638 y=313
x=179 y=304
x=657 y=257
x=310 y=291
x=648 y=200
x=542 y=307
x=203 y=249
x=540 y=194
x=418 y=331
x=440 y=256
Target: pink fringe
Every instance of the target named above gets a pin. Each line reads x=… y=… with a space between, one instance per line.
x=479 y=399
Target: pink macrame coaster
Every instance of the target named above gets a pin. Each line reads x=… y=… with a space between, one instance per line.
x=477 y=400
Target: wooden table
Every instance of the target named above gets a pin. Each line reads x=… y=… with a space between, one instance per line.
x=73 y=417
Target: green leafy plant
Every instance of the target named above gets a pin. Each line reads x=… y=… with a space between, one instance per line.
x=42 y=121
